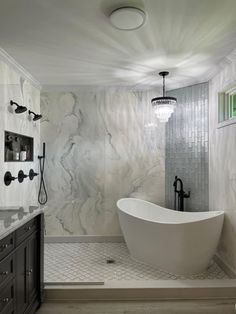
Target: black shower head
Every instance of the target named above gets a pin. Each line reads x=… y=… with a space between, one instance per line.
x=36 y=116
x=19 y=109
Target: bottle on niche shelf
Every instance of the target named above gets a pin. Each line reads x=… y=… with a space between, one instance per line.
x=8 y=154
x=27 y=149
x=23 y=155
x=16 y=148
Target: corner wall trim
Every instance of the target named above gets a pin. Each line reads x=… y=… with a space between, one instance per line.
x=85 y=239
x=225 y=266
x=9 y=60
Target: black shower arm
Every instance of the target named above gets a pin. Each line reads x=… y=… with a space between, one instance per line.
x=13 y=103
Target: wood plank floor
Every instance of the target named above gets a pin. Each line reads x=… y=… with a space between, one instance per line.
x=135 y=307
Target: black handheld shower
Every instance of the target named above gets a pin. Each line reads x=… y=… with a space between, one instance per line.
x=42 y=196
x=19 y=109
x=36 y=116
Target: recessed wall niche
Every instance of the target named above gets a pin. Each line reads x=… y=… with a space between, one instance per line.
x=18 y=147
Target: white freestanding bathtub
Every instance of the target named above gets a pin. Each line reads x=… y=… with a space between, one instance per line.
x=178 y=242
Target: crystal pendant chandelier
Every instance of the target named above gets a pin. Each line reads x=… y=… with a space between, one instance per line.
x=164 y=106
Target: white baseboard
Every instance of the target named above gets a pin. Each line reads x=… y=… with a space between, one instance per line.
x=84 y=238
x=225 y=266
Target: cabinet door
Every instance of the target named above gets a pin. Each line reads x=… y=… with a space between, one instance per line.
x=21 y=278
x=32 y=271
x=7 y=298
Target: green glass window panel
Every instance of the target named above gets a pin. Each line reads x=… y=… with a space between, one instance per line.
x=221 y=107
x=230 y=106
x=227 y=106
x=234 y=106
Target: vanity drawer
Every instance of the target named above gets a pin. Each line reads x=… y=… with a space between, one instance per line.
x=7 y=299
x=6 y=245
x=7 y=267
x=23 y=232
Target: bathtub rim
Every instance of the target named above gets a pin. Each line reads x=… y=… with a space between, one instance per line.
x=217 y=213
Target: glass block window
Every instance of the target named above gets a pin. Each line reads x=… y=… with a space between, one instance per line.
x=227 y=105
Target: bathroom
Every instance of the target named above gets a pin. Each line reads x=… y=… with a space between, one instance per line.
x=114 y=203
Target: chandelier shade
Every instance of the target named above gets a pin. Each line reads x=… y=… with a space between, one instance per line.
x=164 y=106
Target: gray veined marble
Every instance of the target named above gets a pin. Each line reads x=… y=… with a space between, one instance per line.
x=14 y=87
x=101 y=146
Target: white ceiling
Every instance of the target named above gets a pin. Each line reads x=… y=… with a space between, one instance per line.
x=71 y=42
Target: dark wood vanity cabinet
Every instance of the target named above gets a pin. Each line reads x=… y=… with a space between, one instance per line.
x=21 y=270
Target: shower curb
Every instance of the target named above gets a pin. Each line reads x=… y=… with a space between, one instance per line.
x=140 y=290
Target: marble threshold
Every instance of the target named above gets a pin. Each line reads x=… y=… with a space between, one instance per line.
x=144 y=290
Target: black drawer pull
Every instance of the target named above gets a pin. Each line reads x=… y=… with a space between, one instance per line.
x=5 y=300
x=5 y=273
x=4 y=246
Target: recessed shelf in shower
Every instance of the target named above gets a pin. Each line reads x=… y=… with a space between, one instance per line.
x=18 y=147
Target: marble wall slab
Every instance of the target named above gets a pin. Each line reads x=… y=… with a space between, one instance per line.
x=101 y=146
x=222 y=164
x=187 y=146
x=14 y=87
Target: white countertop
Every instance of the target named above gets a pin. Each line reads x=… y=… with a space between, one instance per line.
x=11 y=218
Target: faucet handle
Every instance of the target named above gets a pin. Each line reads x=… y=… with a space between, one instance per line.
x=8 y=178
x=187 y=195
x=21 y=176
x=32 y=174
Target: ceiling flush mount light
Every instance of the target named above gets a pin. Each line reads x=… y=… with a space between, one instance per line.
x=127 y=18
x=164 y=106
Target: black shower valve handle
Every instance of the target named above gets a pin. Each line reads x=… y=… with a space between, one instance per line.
x=21 y=176
x=32 y=174
x=8 y=178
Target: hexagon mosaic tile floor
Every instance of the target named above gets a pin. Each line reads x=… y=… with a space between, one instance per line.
x=99 y=262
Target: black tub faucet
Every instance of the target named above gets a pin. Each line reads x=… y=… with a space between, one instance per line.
x=181 y=195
